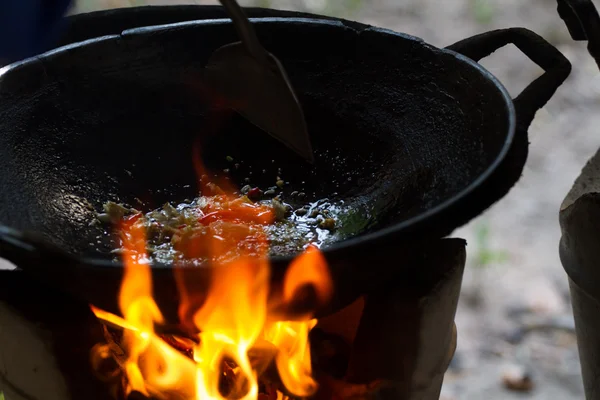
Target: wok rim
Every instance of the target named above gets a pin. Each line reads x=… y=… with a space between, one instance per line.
x=367 y=239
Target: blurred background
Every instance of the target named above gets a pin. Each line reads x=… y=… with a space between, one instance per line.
x=516 y=333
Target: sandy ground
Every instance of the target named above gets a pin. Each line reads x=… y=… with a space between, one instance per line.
x=524 y=225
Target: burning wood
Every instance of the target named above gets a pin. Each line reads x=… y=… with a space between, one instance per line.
x=326 y=347
x=112 y=359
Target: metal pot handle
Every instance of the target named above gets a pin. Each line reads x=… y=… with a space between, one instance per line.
x=537 y=94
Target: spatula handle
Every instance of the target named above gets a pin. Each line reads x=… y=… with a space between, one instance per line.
x=245 y=29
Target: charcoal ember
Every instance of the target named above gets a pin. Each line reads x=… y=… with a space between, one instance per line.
x=269 y=383
x=184 y=348
x=330 y=353
x=262 y=359
x=114 y=338
x=112 y=335
x=264 y=396
x=267 y=392
x=228 y=381
x=104 y=365
x=231 y=386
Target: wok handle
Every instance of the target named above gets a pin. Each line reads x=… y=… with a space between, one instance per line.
x=556 y=66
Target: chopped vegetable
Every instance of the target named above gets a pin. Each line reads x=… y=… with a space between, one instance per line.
x=115 y=212
x=327 y=223
x=191 y=230
x=301 y=212
x=255 y=193
x=280 y=209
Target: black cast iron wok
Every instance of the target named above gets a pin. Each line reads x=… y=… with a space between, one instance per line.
x=417 y=139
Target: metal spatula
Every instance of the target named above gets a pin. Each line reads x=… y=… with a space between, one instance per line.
x=258 y=85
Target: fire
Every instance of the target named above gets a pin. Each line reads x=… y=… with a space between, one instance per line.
x=308 y=270
x=230 y=322
x=136 y=303
x=239 y=339
x=293 y=358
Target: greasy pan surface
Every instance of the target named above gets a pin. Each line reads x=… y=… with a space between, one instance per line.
x=414 y=140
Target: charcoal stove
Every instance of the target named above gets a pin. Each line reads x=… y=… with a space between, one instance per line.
x=402 y=334
x=398 y=322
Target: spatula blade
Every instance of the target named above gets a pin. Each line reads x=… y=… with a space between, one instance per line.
x=261 y=93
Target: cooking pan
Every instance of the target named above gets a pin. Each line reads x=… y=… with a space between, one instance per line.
x=414 y=140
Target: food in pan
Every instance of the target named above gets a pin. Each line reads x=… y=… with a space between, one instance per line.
x=223 y=226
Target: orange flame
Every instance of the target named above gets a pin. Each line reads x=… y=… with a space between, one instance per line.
x=151 y=365
x=230 y=312
x=230 y=322
x=293 y=358
x=310 y=268
x=136 y=303
x=291 y=337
